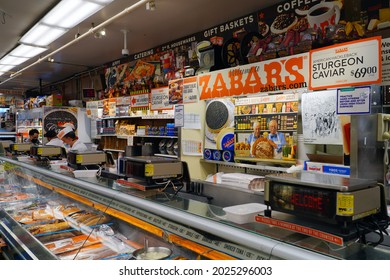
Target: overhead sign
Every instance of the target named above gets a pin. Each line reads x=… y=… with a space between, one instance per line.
x=348 y=64
x=268 y=76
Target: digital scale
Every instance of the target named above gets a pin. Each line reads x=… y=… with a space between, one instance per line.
x=49 y=152
x=86 y=160
x=17 y=148
x=149 y=172
x=152 y=167
x=330 y=203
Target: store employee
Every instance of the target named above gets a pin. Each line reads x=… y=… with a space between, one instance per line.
x=51 y=136
x=71 y=141
x=33 y=136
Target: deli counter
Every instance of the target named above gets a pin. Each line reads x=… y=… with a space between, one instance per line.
x=47 y=214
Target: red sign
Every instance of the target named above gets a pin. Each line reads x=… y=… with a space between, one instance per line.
x=301 y=229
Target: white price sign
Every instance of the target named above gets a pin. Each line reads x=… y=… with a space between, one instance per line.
x=160 y=99
x=349 y=64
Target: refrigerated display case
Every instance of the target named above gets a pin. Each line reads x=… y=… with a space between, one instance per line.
x=189 y=228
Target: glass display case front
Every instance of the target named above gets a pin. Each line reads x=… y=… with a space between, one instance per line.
x=48 y=214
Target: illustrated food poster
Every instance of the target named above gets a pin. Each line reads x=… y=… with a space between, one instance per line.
x=321 y=124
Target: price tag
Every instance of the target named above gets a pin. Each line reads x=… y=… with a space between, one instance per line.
x=349 y=64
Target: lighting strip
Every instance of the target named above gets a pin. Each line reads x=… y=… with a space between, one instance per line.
x=90 y=31
x=64 y=16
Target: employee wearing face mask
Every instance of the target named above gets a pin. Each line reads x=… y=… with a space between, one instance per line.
x=71 y=141
x=33 y=136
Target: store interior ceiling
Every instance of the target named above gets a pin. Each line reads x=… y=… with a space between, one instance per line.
x=146 y=29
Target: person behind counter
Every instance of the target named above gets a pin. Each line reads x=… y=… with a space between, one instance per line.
x=52 y=138
x=276 y=137
x=256 y=134
x=33 y=135
x=70 y=140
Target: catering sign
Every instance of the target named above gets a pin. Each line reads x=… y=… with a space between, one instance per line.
x=348 y=64
x=268 y=76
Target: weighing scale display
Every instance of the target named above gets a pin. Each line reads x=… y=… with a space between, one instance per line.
x=302 y=200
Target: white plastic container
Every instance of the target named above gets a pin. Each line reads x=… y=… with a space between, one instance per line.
x=85 y=173
x=243 y=213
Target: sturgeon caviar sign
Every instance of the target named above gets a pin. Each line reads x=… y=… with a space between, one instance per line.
x=286 y=73
x=348 y=64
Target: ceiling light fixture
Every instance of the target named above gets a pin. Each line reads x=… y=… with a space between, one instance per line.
x=98 y=33
x=65 y=15
x=82 y=36
x=151 y=5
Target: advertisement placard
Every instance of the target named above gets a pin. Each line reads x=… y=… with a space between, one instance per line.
x=348 y=64
x=275 y=75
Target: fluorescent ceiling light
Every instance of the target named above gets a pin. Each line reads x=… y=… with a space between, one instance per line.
x=65 y=15
x=42 y=35
x=69 y=13
x=6 y=68
x=13 y=60
x=27 y=51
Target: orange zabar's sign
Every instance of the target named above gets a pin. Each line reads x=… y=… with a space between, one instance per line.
x=287 y=73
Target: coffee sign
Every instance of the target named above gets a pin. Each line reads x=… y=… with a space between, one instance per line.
x=348 y=64
x=323 y=14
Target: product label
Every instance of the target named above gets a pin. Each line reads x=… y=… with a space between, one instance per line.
x=149 y=170
x=345 y=204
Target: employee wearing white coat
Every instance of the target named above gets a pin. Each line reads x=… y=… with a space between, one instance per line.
x=51 y=136
x=71 y=141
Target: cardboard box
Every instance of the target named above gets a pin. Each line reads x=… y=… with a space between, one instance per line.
x=326 y=168
x=54 y=99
